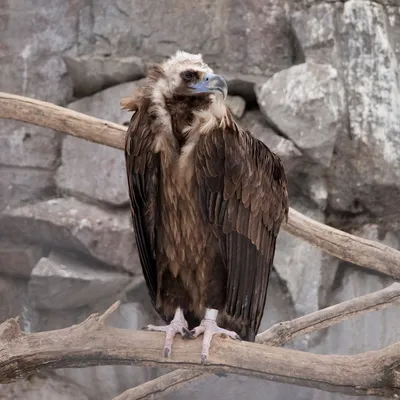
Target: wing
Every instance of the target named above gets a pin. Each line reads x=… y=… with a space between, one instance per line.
x=143 y=167
x=243 y=194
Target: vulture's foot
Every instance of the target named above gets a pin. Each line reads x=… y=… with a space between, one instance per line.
x=209 y=328
x=177 y=325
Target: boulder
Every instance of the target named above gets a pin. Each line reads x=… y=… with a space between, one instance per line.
x=67 y=223
x=62 y=281
x=42 y=386
x=306 y=103
x=18 y=260
x=237 y=106
x=12 y=298
x=103 y=166
x=91 y=73
x=19 y=186
x=368 y=155
x=223 y=32
x=360 y=39
x=24 y=145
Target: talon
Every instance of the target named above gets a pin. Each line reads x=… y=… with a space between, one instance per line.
x=203 y=359
x=177 y=325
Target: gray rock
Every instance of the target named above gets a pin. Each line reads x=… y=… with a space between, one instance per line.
x=369 y=154
x=256 y=123
x=24 y=145
x=222 y=32
x=92 y=73
x=315 y=31
x=104 y=166
x=302 y=266
x=66 y=282
x=360 y=38
x=237 y=105
x=12 y=297
x=32 y=66
x=43 y=386
x=69 y=224
x=18 y=260
x=22 y=185
x=306 y=103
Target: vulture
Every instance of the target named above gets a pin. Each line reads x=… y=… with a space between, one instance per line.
x=207 y=202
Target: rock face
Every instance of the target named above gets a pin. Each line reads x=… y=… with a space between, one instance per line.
x=69 y=224
x=360 y=37
x=316 y=81
x=91 y=73
x=55 y=277
x=104 y=165
x=306 y=102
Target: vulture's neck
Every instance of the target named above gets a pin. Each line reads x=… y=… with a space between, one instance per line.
x=185 y=112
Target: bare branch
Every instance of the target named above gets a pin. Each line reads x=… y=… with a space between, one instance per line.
x=363 y=252
x=163 y=385
x=93 y=343
x=283 y=332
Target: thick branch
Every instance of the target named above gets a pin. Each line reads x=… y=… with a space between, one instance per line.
x=93 y=343
x=283 y=332
x=363 y=252
x=280 y=334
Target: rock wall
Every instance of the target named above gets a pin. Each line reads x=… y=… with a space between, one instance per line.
x=317 y=81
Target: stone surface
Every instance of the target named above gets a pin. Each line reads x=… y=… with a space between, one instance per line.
x=69 y=224
x=66 y=282
x=315 y=31
x=33 y=66
x=104 y=165
x=303 y=267
x=12 y=297
x=18 y=260
x=256 y=123
x=24 y=145
x=360 y=38
x=43 y=386
x=23 y=185
x=306 y=103
x=369 y=154
x=92 y=73
x=237 y=105
x=223 y=32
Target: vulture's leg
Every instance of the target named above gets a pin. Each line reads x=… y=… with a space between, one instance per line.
x=177 y=325
x=209 y=328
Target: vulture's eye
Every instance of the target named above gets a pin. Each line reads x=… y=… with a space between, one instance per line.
x=188 y=75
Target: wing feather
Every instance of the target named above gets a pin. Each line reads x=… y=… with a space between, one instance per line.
x=245 y=187
x=143 y=168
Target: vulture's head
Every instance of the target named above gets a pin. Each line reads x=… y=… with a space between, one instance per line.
x=179 y=87
x=186 y=74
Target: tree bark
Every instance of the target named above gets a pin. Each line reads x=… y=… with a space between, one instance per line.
x=94 y=343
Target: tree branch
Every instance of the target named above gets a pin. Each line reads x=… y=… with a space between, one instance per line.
x=278 y=335
x=284 y=332
x=363 y=252
x=93 y=343
x=162 y=385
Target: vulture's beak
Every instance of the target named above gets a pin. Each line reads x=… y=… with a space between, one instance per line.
x=211 y=83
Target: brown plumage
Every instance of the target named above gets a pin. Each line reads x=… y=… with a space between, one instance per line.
x=207 y=201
